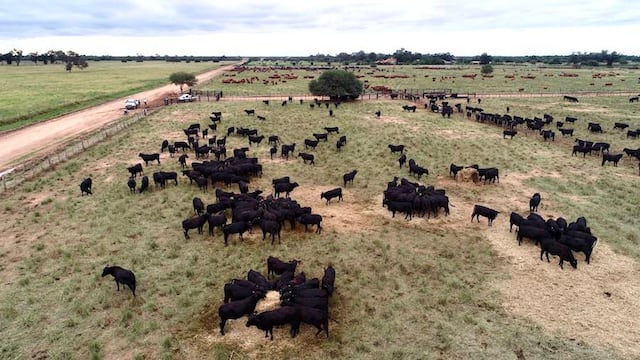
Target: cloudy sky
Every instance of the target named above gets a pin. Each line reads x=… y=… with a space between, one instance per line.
x=303 y=27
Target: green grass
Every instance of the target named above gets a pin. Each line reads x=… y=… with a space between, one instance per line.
x=35 y=93
x=420 y=289
x=416 y=78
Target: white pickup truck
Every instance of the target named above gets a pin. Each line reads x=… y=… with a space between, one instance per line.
x=131 y=104
x=186 y=98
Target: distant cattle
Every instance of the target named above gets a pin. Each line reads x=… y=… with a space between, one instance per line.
x=633 y=99
x=250 y=111
x=570 y=99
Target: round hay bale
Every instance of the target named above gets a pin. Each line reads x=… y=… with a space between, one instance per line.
x=270 y=302
x=468 y=174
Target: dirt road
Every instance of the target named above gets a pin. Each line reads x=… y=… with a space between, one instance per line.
x=40 y=138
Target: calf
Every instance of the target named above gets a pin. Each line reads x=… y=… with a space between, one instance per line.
x=348 y=177
x=396 y=148
x=239 y=228
x=479 y=210
x=307 y=157
x=194 y=223
x=237 y=309
x=510 y=133
x=613 y=158
x=454 y=169
x=149 y=157
x=328 y=279
x=135 y=169
x=551 y=246
x=311 y=219
x=144 y=184
x=182 y=159
x=85 y=186
x=534 y=202
x=328 y=195
x=276 y=266
x=281 y=316
x=121 y=276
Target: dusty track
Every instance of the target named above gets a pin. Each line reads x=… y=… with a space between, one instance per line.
x=38 y=139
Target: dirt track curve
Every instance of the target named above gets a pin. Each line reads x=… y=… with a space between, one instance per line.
x=37 y=139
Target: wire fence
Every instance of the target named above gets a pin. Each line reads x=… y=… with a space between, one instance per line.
x=12 y=177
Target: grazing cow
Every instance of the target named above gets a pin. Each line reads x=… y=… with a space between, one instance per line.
x=319 y=303
x=85 y=186
x=216 y=220
x=632 y=134
x=287 y=149
x=328 y=279
x=239 y=227
x=132 y=184
x=479 y=210
x=250 y=111
x=315 y=317
x=261 y=118
x=272 y=228
x=405 y=207
x=182 y=159
x=183 y=145
x=570 y=99
x=196 y=222
x=532 y=231
x=135 y=169
x=534 y=202
x=601 y=147
x=255 y=139
x=239 y=290
x=237 y=309
x=321 y=136
x=149 y=157
x=121 y=276
x=276 y=266
x=613 y=158
x=337 y=192
x=280 y=316
x=620 y=126
x=566 y=132
x=633 y=99
x=489 y=174
x=311 y=219
x=286 y=188
x=580 y=242
x=198 y=205
x=454 y=169
x=348 y=177
x=308 y=143
x=396 y=148
x=334 y=129
x=510 y=133
x=570 y=119
x=307 y=157
x=274 y=139
x=551 y=246
x=144 y=185
x=515 y=219
x=581 y=149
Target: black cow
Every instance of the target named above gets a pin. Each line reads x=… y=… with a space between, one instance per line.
x=402 y=160
x=311 y=219
x=144 y=184
x=348 y=177
x=489 y=174
x=510 y=133
x=131 y=183
x=534 y=202
x=198 y=205
x=584 y=244
x=613 y=158
x=454 y=169
x=149 y=157
x=315 y=317
x=633 y=99
x=533 y=232
x=276 y=266
x=337 y=192
x=262 y=118
x=85 y=186
x=620 y=126
x=181 y=145
x=255 y=139
x=515 y=219
x=632 y=134
x=286 y=188
x=239 y=228
x=121 y=276
x=396 y=148
x=237 y=309
x=196 y=222
x=378 y=113
x=274 y=139
x=307 y=157
x=250 y=111
x=272 y=228
x=287 y=149
x=594 y=127
x=601 y=147
x=135 y=169
x=411 y=108
x=182 y=159
x=308 y=143
x=570 y=99
x=334 y=129
x=570 y=119
x=551 y=246
x=479 y=210
x=405 y=207
x=239 y=290
x=581 y=149
x=548 y=134
x=164 y=145
x=328 y=279
x=319 y=136
x=281 y=316
x=566 y=132
x=215 y=220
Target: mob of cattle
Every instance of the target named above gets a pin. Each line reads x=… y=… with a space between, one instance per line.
x=301 y=300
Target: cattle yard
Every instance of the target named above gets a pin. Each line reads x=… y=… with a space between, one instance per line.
x=427 y=288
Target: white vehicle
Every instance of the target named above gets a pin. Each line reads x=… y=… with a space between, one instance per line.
x=185 y=98
x=130 y=104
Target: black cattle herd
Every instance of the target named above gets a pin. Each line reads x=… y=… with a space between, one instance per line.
x=306 y=301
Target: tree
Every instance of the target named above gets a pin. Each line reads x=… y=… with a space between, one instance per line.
x=182 y=78
x=337 y=84
x=486 y=69
x=485 y=59
x=73 y=58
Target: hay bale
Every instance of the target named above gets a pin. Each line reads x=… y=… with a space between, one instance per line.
x=468 y=174
x=270 y=302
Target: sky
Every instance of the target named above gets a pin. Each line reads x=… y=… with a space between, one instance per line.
x=303 y=27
